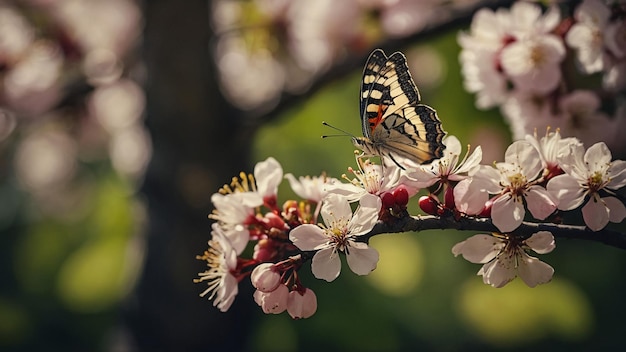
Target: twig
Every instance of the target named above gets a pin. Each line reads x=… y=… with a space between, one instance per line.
x=526 y=229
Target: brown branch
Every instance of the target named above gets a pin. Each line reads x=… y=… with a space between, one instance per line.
x=526 y=229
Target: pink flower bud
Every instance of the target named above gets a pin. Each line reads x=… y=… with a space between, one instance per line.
x=428 y=205
x=302 y=306
x=265 y=278
x=264 y=251
x=388 y=200
x=448 y=198
x=401 y=195
x=274 y=302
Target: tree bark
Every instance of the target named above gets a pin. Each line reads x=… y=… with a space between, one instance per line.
x=199 y=143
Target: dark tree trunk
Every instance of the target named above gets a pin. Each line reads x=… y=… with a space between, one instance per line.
x=199 y=144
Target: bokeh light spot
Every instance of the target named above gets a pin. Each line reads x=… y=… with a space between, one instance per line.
x=400 y=268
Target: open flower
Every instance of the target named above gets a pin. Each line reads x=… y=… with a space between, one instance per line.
x=448 y=167
x=340 y=234
x=513 y=181
x=504 y=257
x=221 y=259
x=591 y=175
x=311 y=188
x=370 y=178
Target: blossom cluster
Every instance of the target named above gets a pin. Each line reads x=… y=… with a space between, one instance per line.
x=564 y=67
x=291 y=42
x=67 y=96
x=538 y=178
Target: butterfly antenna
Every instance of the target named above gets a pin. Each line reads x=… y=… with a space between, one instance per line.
x=343 y=133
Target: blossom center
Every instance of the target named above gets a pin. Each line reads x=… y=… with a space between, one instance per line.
x=595 y=182
x=338 y=233
x=517 y=184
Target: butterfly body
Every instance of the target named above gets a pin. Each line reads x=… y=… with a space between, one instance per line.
x=394 y=123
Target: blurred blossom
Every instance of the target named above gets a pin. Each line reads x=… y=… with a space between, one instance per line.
x=118 y=105
x=32 y=85
x=99 y=24
x=320 y=29
x=427 y=67
x=7 y=123
x=16 y=35
x=270 y=40
x=249 y=79
x=101 y=66
x=512 y=59
x=46 y=159
x=130 y=150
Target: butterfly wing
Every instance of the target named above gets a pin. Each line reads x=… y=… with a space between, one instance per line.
x=393 y=121
x=412 y=132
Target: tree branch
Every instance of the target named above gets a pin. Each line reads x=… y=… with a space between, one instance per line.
x=526 y=229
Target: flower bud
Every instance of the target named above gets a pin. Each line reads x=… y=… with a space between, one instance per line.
x=401 y=196
x=274 y=302
x=388 y=200
x=428 y=205
x=264 y=278
x=301 y=306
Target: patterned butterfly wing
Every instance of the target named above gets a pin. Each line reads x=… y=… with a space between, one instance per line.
x=393 y=121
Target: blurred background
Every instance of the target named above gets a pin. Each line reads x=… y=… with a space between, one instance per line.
x=119 y=119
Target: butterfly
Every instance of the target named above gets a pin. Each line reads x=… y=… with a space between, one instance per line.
x=394 y=123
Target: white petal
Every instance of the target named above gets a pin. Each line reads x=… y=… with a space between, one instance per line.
x=335 y=207
x=595 y=213
x=268 y=175
x=326 y=264
x=567 y=191
x=598 y=153
x=539 y=202
x=468 y=198
x=533 y=271
x=499 y=272
x=617 y=174
x=541 y=242
x=488 y=179
x=361 y=258
x=308 y=237
x=617 y=210
x=365 y=216
x=526 y=156
x=226 y=293
x=478 y=248
x=507 y=214
x=472 y=161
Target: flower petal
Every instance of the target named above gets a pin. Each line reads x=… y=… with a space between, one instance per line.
x=533 y=271
x=308 y=237
x=268 y=175
x=568 y=192
x=362 y=259
x=499 y=272
x=617 y=210
x=596 y=213
x=507 y=214
x=335 y=207
x=468 y=198
x=326 y=264
x=541 y=242
x=365 y=216
x=540 y=203
x=479 y=248
x=617 y=174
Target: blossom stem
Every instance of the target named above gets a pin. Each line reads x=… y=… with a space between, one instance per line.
x=526 y=229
